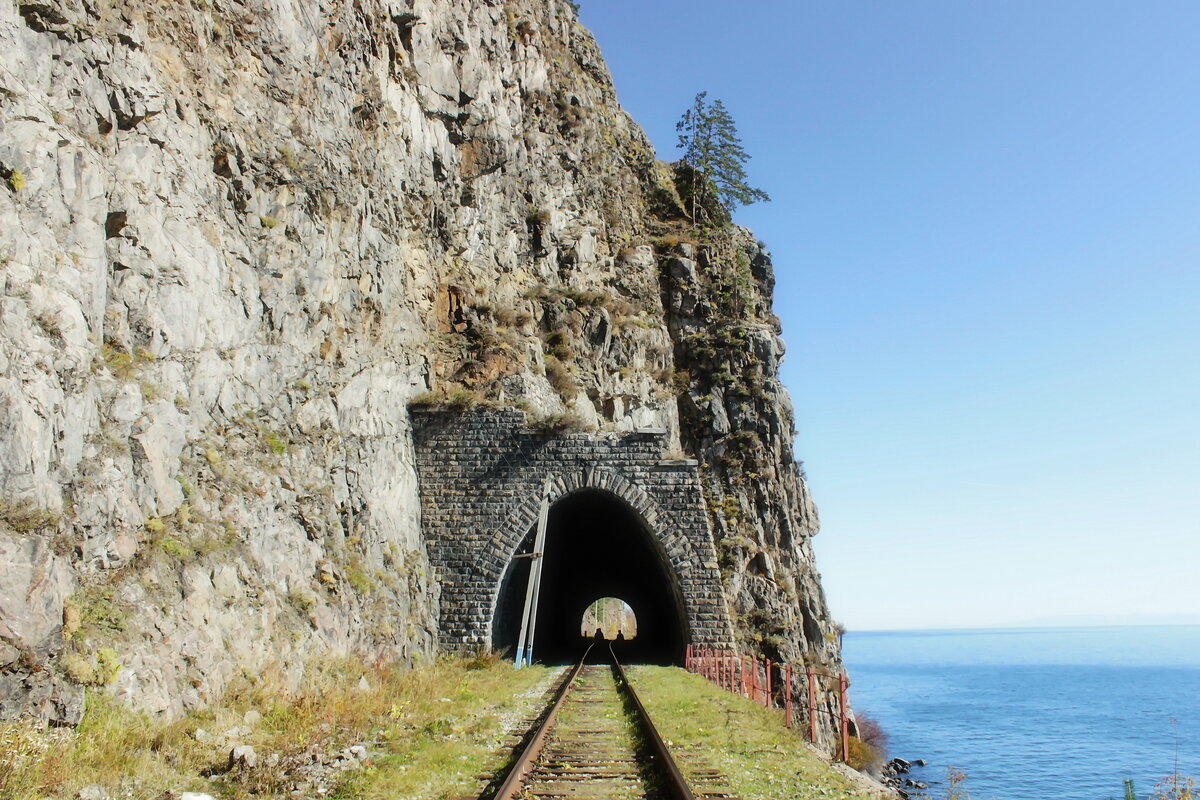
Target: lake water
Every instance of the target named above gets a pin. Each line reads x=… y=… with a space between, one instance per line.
x=1035 y=714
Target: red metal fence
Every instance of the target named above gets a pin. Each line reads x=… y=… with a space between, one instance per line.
x=772 y=685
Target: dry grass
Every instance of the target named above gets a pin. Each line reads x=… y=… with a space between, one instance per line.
x=564 y=422
x=451 y=398
x=560 y=378
x=23 y=516
x=429 y=730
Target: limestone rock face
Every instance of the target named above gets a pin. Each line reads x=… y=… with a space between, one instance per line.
x=238 y=239
x=36 y=583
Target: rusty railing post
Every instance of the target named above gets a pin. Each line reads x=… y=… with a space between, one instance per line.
x=844 y=684
x=770 y=700
x=787 y=695
x=812 y=705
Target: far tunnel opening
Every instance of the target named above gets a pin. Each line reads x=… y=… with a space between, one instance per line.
x=596 y=546
x=610 y=617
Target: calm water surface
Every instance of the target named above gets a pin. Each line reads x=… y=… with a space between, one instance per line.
x=1037 y=714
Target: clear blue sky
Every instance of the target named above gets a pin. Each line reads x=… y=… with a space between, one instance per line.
x=986 y=231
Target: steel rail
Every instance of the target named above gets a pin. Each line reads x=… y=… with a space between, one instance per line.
x=677 y=787
x=520 y=768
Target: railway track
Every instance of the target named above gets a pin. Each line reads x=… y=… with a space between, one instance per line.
x=595 y=741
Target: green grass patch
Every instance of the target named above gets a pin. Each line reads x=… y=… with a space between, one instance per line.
x=442 y=738
x=709 y=728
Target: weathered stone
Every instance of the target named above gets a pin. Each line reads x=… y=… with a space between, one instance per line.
x=36 y=582
x=243 y=756
x=41 y=696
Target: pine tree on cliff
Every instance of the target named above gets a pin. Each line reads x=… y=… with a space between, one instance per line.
x=711 y=147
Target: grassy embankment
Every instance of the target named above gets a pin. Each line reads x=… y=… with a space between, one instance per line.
x=428 y=733
x=710 y=728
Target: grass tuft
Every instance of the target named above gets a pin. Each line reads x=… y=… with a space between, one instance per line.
x=24 y=516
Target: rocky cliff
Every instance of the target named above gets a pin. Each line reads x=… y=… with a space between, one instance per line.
x=239 y=238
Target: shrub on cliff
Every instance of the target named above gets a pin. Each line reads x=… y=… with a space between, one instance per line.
x=868 y=750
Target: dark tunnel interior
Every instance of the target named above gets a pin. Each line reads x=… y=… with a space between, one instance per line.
x=596 y=546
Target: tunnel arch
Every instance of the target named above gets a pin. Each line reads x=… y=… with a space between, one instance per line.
x=600 y=542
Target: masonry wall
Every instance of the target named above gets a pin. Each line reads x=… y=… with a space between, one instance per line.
x=481 y=479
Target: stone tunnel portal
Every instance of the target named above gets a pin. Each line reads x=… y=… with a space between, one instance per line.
x=596 y=546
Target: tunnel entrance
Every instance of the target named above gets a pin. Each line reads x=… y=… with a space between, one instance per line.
x=596 y=547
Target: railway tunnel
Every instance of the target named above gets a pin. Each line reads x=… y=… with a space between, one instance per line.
x=596 y=546
x=625 y=521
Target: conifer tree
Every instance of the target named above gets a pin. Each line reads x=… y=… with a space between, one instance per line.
x=711 y=147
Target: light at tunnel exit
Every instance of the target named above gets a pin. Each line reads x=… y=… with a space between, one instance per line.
x=612 y=617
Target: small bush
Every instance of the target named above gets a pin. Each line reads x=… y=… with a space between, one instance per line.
x=24 y=516
x=16 y=180
x=863 y=757
x=121 y=364
x=672 y=240
x=78 y=669
x=98 y=611
x=559 y=377
x=361 y=582
x=108 y=666
x=558 y=344
x=176 y=549
x=956 y=781
x=302 y=601
x=458 y=399
x=268 y=222
x=483 y=658
x=189 y=488
x=100 y=670
x=589 y=297
x=568 y=422
x=869 y=729
x=1175 y=787
x=49 y=325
